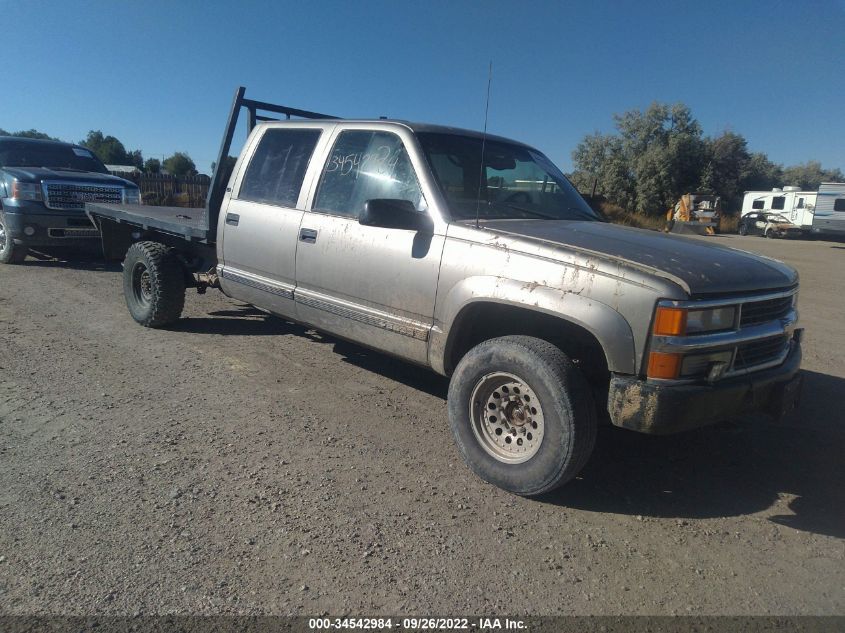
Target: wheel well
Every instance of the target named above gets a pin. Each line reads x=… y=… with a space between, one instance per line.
x=481 y=321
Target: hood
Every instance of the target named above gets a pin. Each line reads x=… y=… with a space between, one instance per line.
x=699 y=267
x=37 y=174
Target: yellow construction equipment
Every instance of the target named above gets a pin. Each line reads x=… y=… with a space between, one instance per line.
x=697 y=213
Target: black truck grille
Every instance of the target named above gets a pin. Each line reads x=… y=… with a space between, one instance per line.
x=756 y=312
x=760 y=352
x=74 y=196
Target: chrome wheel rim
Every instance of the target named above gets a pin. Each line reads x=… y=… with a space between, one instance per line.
x=2 y=237
x=507 y=418
x=142 y=284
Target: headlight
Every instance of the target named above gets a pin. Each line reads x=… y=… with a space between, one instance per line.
x=26 y=190
x=683 y=321
x=712 y=320
x=131 y=196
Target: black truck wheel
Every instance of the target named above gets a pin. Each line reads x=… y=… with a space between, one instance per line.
x=743 y=229
x=10 y=253
x=522 y=414
x=153 y=284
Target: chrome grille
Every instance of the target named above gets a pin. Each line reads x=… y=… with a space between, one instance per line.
x=69 y=195
x=756 y=312
x=760 y=352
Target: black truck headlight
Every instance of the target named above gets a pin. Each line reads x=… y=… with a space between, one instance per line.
x=26 y=191
x=131 y=195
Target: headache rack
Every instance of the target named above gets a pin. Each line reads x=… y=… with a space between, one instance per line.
x=220 y=177
x=196 y=225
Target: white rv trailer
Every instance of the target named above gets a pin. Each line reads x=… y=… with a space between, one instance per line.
x=821 y=211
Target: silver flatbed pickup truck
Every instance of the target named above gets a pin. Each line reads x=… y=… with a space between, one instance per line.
x=474 y=256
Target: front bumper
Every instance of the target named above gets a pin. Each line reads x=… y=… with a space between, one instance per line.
x=663 y=408
x=48 y=228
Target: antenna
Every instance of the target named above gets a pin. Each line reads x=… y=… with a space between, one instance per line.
x=483 y=144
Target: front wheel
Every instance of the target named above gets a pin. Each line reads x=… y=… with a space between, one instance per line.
x=153 y=284
x=10 y=253
x=522 y=414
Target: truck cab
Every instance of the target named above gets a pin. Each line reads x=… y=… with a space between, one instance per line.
x=44 y=186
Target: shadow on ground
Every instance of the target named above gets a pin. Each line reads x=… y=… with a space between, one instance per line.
x=724 y=470
x=239 y=321
x=71 y=258
x=727 y=470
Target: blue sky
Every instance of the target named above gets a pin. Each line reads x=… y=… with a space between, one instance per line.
x=160 y=75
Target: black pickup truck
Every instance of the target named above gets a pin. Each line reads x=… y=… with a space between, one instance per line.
x=44 y=186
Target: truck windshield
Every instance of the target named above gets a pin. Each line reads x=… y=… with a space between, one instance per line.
x=54 y=156
x=517 y=182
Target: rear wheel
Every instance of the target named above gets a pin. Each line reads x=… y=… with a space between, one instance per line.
x=743 y=229
x=10 y=253
x=153 y=284
x=522 y=414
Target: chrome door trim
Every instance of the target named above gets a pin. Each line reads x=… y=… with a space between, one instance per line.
x=258 y=282
x=369 y=316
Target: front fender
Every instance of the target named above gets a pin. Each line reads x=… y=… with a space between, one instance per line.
x=608 y=326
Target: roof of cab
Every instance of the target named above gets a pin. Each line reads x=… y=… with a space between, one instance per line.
x=37 y=141
x=415 y=127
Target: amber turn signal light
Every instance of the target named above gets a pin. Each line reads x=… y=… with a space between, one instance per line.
x=670 y=321
x=662 y=365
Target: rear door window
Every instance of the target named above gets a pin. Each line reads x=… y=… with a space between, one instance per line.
x=277 y=167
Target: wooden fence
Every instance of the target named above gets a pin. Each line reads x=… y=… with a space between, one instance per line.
x=169 y=191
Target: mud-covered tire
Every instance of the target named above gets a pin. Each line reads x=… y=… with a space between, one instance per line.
x=566 y=408
x=153 y=284
x=10 y=253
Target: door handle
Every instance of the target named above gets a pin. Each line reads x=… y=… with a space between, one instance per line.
x=309 y=236
x=232 y=219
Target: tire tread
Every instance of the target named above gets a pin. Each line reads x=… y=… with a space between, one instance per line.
x=168 y=286
x=577 y=397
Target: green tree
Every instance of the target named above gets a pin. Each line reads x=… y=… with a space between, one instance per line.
x=656 y=156
x=599 y=159
x=180 y=165
x=107 y=148
x=728 y=162
x=135 y=158
x=152 y=166
x=761 y=174
x=810 y=175
x=32 y=133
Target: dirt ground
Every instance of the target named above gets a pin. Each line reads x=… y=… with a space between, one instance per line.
x=240 y=464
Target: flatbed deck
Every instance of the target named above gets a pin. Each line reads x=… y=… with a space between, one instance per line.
x=186 y=223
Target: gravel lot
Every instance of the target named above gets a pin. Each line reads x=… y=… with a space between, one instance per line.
x=240 y=464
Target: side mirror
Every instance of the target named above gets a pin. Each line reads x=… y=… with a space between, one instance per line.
x=394 y=214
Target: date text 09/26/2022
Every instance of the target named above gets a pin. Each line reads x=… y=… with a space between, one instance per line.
x=416 y=624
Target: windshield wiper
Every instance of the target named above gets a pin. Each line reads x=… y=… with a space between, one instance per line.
x=516 y=207
x=64 y=169
x=581 y=212
x=584 y=214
